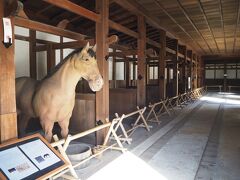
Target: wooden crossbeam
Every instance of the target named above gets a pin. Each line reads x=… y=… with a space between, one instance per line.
x=34 y=25
x=79 y=10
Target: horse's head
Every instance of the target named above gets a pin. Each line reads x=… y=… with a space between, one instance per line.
x=86 y=63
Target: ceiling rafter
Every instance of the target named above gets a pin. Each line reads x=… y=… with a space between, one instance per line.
x=209 y=27
x=45 y=9
x=193 y=24
x=222 y=22
x=182 y=28
x=236 y=27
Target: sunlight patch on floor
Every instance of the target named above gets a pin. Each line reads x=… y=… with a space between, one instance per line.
x=225 y=100
x=127 y=166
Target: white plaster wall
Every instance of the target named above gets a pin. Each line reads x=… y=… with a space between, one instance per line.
x=21 y=53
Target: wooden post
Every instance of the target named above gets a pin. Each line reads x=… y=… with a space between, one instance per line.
x=190 y=54
x=162 y=65
x=201 y=72
x=61 y=50
x=32 y=54
x=114 y=68
x=196 y=73
x=141 y=78
x=127 y=72
x=102 y=97
x=114 y=64
x=51 y=58
x=134 y=68
x=8 y=115
x=225 y=78
x=175 y=69
x=184 y=69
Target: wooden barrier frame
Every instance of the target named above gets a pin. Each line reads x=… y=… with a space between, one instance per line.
x=180 y=100
x=63 y=144
x=128 y=133
x=152 y=110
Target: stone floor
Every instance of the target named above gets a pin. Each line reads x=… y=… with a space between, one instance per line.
x=197 y=142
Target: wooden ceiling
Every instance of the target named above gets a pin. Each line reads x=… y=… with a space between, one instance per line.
x=210 y=27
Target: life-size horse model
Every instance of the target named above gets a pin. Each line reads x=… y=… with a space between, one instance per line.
x=52 y=99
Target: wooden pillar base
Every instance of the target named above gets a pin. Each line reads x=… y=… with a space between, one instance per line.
x=8 y=128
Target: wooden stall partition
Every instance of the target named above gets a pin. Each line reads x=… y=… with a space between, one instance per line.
x=8 y=117
x=84 y=113
x=152 y=95
x=122 y=101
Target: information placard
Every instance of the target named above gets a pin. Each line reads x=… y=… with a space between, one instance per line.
x=31 y=157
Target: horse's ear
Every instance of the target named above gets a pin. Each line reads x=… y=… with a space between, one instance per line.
x=94 y=48
x=86 y=47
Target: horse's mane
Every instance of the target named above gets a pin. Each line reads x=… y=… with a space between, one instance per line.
x=59 y=65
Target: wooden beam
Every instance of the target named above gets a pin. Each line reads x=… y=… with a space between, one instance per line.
x=122 y=29
x=127 y=31
x=141 y=82
x=153 y=43
x=236 y=27
x=175 y=69
x=102 y=97
x=22 y=22
x=32 y=54
x=44 y=9
x=162 y=65
x=76 y=44
x=8 y=115
x=74 y=8
x=26 y=38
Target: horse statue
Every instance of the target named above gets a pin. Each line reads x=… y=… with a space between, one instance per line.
x=52 y=99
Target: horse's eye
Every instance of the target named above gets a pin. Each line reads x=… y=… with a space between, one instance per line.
x=87 y=59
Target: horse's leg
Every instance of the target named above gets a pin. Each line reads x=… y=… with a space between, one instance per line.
x=64 y=127
x=22 y=123
x=47 y=127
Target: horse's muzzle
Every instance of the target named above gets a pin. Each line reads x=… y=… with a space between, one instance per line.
x=96 y=85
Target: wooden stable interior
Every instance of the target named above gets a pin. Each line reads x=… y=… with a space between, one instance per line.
x=177 y=51
x=159 y=60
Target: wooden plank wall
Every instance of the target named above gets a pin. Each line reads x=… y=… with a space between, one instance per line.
x=122 y=101
x=84 y=113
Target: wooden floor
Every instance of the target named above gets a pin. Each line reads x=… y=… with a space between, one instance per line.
x=199 y=142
